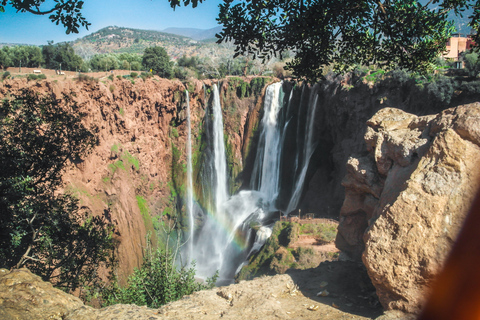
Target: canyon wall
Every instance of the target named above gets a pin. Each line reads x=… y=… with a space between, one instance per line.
x=134 y=176
x=345 y=104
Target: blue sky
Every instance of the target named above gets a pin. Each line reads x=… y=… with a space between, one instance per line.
x=25 y=28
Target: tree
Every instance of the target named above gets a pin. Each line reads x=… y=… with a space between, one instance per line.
x=61 y=56
x=5 y=58
x=472 y=63
x=157 y=59
x=40 y=227
x=390 y=33
x=26 y=56
x=66 y=12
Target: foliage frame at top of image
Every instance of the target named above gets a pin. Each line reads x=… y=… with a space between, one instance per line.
x=391 y=34
x=66 y=12
x=42 y=229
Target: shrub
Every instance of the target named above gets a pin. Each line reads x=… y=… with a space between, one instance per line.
x=86 y=78
x=145 y=75
x=134 y=75
x=110 y=77
x=441 y=90
x=156 y=283
x=5 y=75
x=112 y=88
x=36 y=77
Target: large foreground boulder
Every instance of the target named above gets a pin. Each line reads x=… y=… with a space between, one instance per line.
x=24 y=295
x=407 y=196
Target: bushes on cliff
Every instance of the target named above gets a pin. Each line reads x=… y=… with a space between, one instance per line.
x=157 y=282
x=41 y=227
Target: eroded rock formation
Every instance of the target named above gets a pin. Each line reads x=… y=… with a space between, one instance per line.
x=138 y=125
x=407 y=196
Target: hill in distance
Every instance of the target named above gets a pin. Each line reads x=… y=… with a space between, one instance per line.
x=115 y=39
x=194 y=33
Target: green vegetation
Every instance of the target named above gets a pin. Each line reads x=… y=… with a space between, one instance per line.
x=34 y=77
x=277 y=256
x=116 y=165
x=86 y=78
x=129 y=159
x=21 y=56
x=62 y=57
x=42 y=230
x=174 y=132
x=157 y=282
x=345 y=33
x=115 y=148
x=432 y=91
x=323 y=233
x=113 y=61
x=157 y=60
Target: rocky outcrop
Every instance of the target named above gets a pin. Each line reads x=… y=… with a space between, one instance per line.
x=23 y=296
x=406 y=198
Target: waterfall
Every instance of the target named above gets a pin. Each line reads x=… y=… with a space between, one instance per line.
x=308 y=149
x=221 y=193
x=215 y=232
x=265 y=175
x=225 y=237
x=191 y=221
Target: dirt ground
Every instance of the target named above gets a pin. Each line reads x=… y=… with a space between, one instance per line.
x=52 y=74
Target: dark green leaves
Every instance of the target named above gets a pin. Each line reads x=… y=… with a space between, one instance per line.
x=399 y=33
x=40 y=227
x=157 y=59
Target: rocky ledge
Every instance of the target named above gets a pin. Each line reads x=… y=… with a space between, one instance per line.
x=333 y=290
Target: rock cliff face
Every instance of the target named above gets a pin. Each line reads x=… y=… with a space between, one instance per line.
x=128 y=176
x=407 y=196
x=345 y=104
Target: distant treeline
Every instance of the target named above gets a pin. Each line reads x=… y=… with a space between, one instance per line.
x=62 y=56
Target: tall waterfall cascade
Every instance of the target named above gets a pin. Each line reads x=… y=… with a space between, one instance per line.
x=191 y=221
x=226 y=238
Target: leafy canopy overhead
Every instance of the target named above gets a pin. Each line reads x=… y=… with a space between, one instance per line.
x=391 y=33
x=66 y=12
